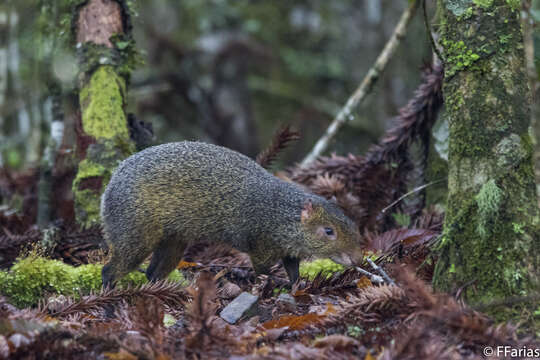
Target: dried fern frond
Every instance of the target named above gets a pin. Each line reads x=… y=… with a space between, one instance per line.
x=281 y=139
x=381 y=176
x=169 y=293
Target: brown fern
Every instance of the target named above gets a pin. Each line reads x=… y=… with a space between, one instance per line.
x=282 y=138
x=380 y=177
x=170 y=294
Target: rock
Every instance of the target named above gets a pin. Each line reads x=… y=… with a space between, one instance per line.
x=4 y=347
x=55 y=303
x=286 y=302
x=180 y=324
x=230 y=290
x=244 y=305
x=19 y=340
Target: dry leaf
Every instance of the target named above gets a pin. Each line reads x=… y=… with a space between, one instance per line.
x=363 y=282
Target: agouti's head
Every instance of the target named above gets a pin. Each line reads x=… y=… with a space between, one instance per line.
x=330 y=233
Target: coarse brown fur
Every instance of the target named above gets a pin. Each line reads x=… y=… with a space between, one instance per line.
x=169 y=196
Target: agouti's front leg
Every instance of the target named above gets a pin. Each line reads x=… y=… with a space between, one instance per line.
x=292 y=266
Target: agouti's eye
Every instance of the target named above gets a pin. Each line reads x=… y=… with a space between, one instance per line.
x=329 y=231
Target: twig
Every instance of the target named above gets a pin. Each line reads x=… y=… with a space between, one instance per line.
x=381 y=271
x=430 y=34
x=365 y=87
x=416 y=189
x=374 y=278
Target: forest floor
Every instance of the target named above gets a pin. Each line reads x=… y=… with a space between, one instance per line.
x=323 y=316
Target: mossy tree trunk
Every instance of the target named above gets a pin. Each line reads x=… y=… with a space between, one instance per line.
x=105 y=51
x=490 y=244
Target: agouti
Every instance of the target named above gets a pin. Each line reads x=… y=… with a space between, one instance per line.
x=167 y=197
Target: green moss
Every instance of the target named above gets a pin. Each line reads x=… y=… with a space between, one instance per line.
x=89 y=169
x=102 y=103
x=130 y=58
x=355 y=331
x=504 y=39
x=488 y=200
x=518 y=228
x=458 y=56
x=484 y=4
x=278 y=291
x=325 y=266
x=455 y=100
x=467 y=14
x=123 y=57
x=514 y=4
x=103 y=118
x=34 y=278
x=87 y=201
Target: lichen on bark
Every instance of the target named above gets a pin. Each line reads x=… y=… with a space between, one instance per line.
x=490 y=241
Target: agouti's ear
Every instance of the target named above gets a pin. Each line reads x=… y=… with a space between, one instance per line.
x=307 y=211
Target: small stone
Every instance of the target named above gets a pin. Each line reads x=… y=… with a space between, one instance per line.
x=55 y=303
x=245 y=305
x=337 y=342
x=286 y=302
x=230 y=290
x=4 y=347
x=19 y=340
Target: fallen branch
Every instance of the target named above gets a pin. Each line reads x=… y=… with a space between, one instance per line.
x=376 y=279
x=381 y=271
x=365 y=87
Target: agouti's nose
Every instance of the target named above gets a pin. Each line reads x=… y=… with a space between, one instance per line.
x=342 y=258
x=356 y=256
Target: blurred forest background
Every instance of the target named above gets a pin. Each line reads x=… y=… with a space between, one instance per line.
x=233 y=72
x=226 y=72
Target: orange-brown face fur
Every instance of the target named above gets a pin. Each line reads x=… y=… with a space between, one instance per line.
x=330 y=233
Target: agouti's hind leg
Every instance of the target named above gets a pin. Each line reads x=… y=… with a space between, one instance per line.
x=165 y=259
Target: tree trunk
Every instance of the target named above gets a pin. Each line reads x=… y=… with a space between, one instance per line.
x=490 y=247
x=15 y=126
x=534 y=84
x=52 y=139
x=103 y=138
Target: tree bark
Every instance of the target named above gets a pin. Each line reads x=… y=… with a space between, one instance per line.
x=489 y=248
x=534 y=83
x=54 y=133
x=103 y=138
